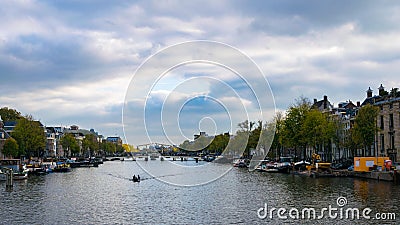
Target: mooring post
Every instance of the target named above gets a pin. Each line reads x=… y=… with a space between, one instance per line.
x=9 y=179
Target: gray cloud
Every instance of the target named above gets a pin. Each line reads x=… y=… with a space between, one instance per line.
x=68 y=61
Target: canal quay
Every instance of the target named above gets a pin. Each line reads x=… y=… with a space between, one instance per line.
x=107 y=195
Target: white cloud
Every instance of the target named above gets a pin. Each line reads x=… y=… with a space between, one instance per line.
x=65 y=63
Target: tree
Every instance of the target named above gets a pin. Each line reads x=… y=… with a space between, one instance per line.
x=340 y=136
x=317 y=131
x=70 y=145
x=219 y=143
x=10 y=148
x=90 y=144
x=365 y=128
x=276 y=127
x=30 y=137
x=109 y=148
x=9 y=114
x=291 y=133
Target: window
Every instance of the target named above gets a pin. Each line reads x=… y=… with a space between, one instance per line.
x=382 y=144
x=381 y=107
x=391 y=106
x=382 y=123
x=390 y=120
x=392 y=141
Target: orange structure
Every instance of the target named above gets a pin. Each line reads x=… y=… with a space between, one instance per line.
x=365 y=164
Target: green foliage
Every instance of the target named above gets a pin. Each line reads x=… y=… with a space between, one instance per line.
x=275 y=130
x=200 y=144
x=119 y=149
x=30 y=137
x=90 y=144
x=317 y=129
x=363 y=132
x=9 y=114
x=108 y=147
x=70 y=145
x=10 y=148
x=292 y=135
x=219 y=143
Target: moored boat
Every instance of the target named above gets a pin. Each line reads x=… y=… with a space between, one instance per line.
x=271 y=167
x=20 y=172
x=241 y=163
x=62 y=167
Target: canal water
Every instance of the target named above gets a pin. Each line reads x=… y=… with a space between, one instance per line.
x=105 y=195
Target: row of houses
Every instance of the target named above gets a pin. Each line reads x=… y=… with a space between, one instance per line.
x=53 y=136
x=387 y=138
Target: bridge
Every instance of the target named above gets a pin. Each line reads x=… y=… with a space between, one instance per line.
x=159 y=147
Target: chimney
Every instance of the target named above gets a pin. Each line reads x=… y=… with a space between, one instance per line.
x=325 y=101
x=358 y=104
x=369 y=93
x=381 y=90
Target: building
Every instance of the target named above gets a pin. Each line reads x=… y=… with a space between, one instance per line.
x=114 y=140
x=79 y=134
x=387 y=139
x=323 y=105
x=53 y=143
x=9 y=126
x=3 y=137
x=345 y=114
x=201 y=134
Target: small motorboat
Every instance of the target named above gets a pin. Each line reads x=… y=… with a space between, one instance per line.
x=62 y=167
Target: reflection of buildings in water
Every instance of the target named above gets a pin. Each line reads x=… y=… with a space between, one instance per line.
x=373 y=193
x=361 y=189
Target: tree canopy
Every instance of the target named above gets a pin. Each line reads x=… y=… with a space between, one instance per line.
x=70 y=145
x=11 y=148
x=30 y=137
x=363 y=132
x=9 y=114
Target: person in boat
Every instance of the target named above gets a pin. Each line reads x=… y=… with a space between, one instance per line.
x=138 y=178
x=134 y=178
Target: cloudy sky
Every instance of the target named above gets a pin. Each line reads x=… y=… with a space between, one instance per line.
x=71 y=62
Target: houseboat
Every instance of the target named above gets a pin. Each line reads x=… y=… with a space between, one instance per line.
x=20 y=172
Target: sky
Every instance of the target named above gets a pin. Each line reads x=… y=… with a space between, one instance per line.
x=75 y=62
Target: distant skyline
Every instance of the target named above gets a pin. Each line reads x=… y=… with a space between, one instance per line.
x=70 y=62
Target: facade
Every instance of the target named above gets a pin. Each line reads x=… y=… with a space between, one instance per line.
x=3 y=137
x=53 y=144
x=115 y=140
x=345 y=114
x=9 y=126
x=323 y=105
x=387 y=139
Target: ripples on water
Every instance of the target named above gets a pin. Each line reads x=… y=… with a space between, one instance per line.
x=104 y=195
